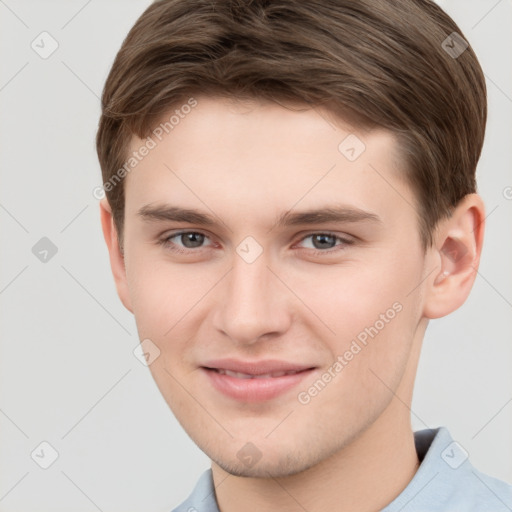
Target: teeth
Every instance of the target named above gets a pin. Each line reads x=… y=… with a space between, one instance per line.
x=239 y=375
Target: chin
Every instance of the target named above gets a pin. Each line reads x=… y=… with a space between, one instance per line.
x=260 y=470
x=277 y=466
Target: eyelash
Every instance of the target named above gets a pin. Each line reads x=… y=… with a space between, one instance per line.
x=315 y=252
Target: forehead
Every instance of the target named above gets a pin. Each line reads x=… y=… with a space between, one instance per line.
x=259 y=156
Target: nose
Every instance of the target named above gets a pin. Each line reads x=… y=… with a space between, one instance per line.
x=253 y=302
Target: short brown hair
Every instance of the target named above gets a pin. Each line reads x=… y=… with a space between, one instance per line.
x=396 y=64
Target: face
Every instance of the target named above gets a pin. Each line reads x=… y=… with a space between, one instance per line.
x=276 y=328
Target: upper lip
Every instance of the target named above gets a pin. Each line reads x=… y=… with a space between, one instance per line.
x=256 y=367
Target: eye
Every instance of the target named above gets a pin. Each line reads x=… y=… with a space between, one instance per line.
x=326 y=242
x=190 y=240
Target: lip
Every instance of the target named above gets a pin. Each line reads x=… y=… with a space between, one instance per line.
x=261 y=386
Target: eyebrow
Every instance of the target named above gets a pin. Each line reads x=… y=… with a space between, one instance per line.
x=163 y=212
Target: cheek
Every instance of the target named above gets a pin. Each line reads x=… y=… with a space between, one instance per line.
x=374 y=313
x=367 y=366
x=351 y=298
x=169 y=303
x=160 y=295
x=164 y=299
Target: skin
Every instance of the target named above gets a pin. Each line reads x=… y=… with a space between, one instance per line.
x=351 y=447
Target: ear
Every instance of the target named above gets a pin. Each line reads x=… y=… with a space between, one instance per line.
x=457 y=247
x=117 y=263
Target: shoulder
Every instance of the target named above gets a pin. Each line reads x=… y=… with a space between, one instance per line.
x=446 y=480
x=480 y=492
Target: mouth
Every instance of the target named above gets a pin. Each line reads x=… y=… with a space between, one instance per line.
x=239 y=375
x=254 y=381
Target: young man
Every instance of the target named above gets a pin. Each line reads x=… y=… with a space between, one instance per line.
x=290 y=199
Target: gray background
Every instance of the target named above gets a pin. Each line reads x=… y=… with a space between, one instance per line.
x=67 y=369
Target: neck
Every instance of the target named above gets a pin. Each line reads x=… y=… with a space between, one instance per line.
x=366 y=475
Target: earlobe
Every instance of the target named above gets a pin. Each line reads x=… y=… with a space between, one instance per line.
x=457 y=249
x=117 y=260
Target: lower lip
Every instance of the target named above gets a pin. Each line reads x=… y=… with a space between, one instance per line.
x=254 y=390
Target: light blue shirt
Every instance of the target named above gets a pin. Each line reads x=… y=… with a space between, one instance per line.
x=446 y=481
